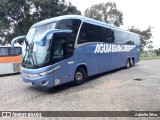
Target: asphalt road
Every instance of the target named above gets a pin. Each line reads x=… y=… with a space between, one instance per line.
x=136 y=89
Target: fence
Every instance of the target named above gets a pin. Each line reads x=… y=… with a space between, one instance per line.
x=150 y=53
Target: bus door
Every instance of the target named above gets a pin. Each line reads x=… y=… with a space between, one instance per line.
x=60 y=62
x=65 y=69
x=63 y=48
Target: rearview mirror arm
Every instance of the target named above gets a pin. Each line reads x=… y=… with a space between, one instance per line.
x=18 y=39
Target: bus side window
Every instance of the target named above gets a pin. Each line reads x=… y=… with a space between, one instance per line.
x=83 y=34
x=15 y=51
x=12 y=51
x=88 y=33
x=0 y=52
x=18 y=50
x=69 y=24
x=105 y=34
x=68 y=45
x=94 y=33
x=4 y=51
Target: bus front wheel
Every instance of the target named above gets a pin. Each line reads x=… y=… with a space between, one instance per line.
x=80 y=76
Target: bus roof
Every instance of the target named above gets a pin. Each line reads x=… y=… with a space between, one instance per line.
x=68 y=17
x=83 y=18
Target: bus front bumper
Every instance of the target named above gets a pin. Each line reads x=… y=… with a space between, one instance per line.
x=45 y=81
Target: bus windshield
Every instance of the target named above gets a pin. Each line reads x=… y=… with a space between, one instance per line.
x=35 y=55
x=35 y=34
x=60 y=46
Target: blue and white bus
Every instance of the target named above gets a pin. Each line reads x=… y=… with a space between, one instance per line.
x=72 y=47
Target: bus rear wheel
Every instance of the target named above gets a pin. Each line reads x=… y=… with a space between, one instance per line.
x=132 y=62
x=80 y=76
x=128 y=64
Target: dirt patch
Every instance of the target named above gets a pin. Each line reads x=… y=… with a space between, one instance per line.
x=138 y=79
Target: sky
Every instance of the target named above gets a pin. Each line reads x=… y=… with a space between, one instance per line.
x=138 y=13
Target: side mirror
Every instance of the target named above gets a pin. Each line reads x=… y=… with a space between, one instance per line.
x=45 y=38
x=16 y=39
x=48 y=35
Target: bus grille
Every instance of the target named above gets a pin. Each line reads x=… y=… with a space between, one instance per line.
x=16 y=67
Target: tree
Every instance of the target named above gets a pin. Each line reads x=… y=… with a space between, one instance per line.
x=53 y=8
x=145 y=35
x=17 y=16
x=150 y=46
x=105 y=12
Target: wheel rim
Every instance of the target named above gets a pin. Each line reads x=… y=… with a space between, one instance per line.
x=131 y=62
x=127 y=64
x=79 y=76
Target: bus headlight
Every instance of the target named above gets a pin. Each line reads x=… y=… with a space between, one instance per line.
x=49 y=71
x=29 y=75
x=39 y=74
x=43 y=73
x=46 y=72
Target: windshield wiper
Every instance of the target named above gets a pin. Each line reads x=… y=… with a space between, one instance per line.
x=30 y=54
x=29 y=49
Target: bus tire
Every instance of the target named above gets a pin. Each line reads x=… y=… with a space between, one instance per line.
x=80 y=76
x=128 y=64
x=132 y=62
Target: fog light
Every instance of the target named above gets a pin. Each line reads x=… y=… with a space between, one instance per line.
x=45 y=82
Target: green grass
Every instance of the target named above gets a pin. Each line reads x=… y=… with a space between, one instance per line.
x=150 y=58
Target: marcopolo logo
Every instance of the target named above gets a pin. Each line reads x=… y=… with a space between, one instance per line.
x=107 y=48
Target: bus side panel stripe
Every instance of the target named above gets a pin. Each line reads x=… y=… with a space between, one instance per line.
x=9 y=59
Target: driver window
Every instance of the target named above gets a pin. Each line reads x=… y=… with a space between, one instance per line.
x=63 y=46
x=59 y=48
